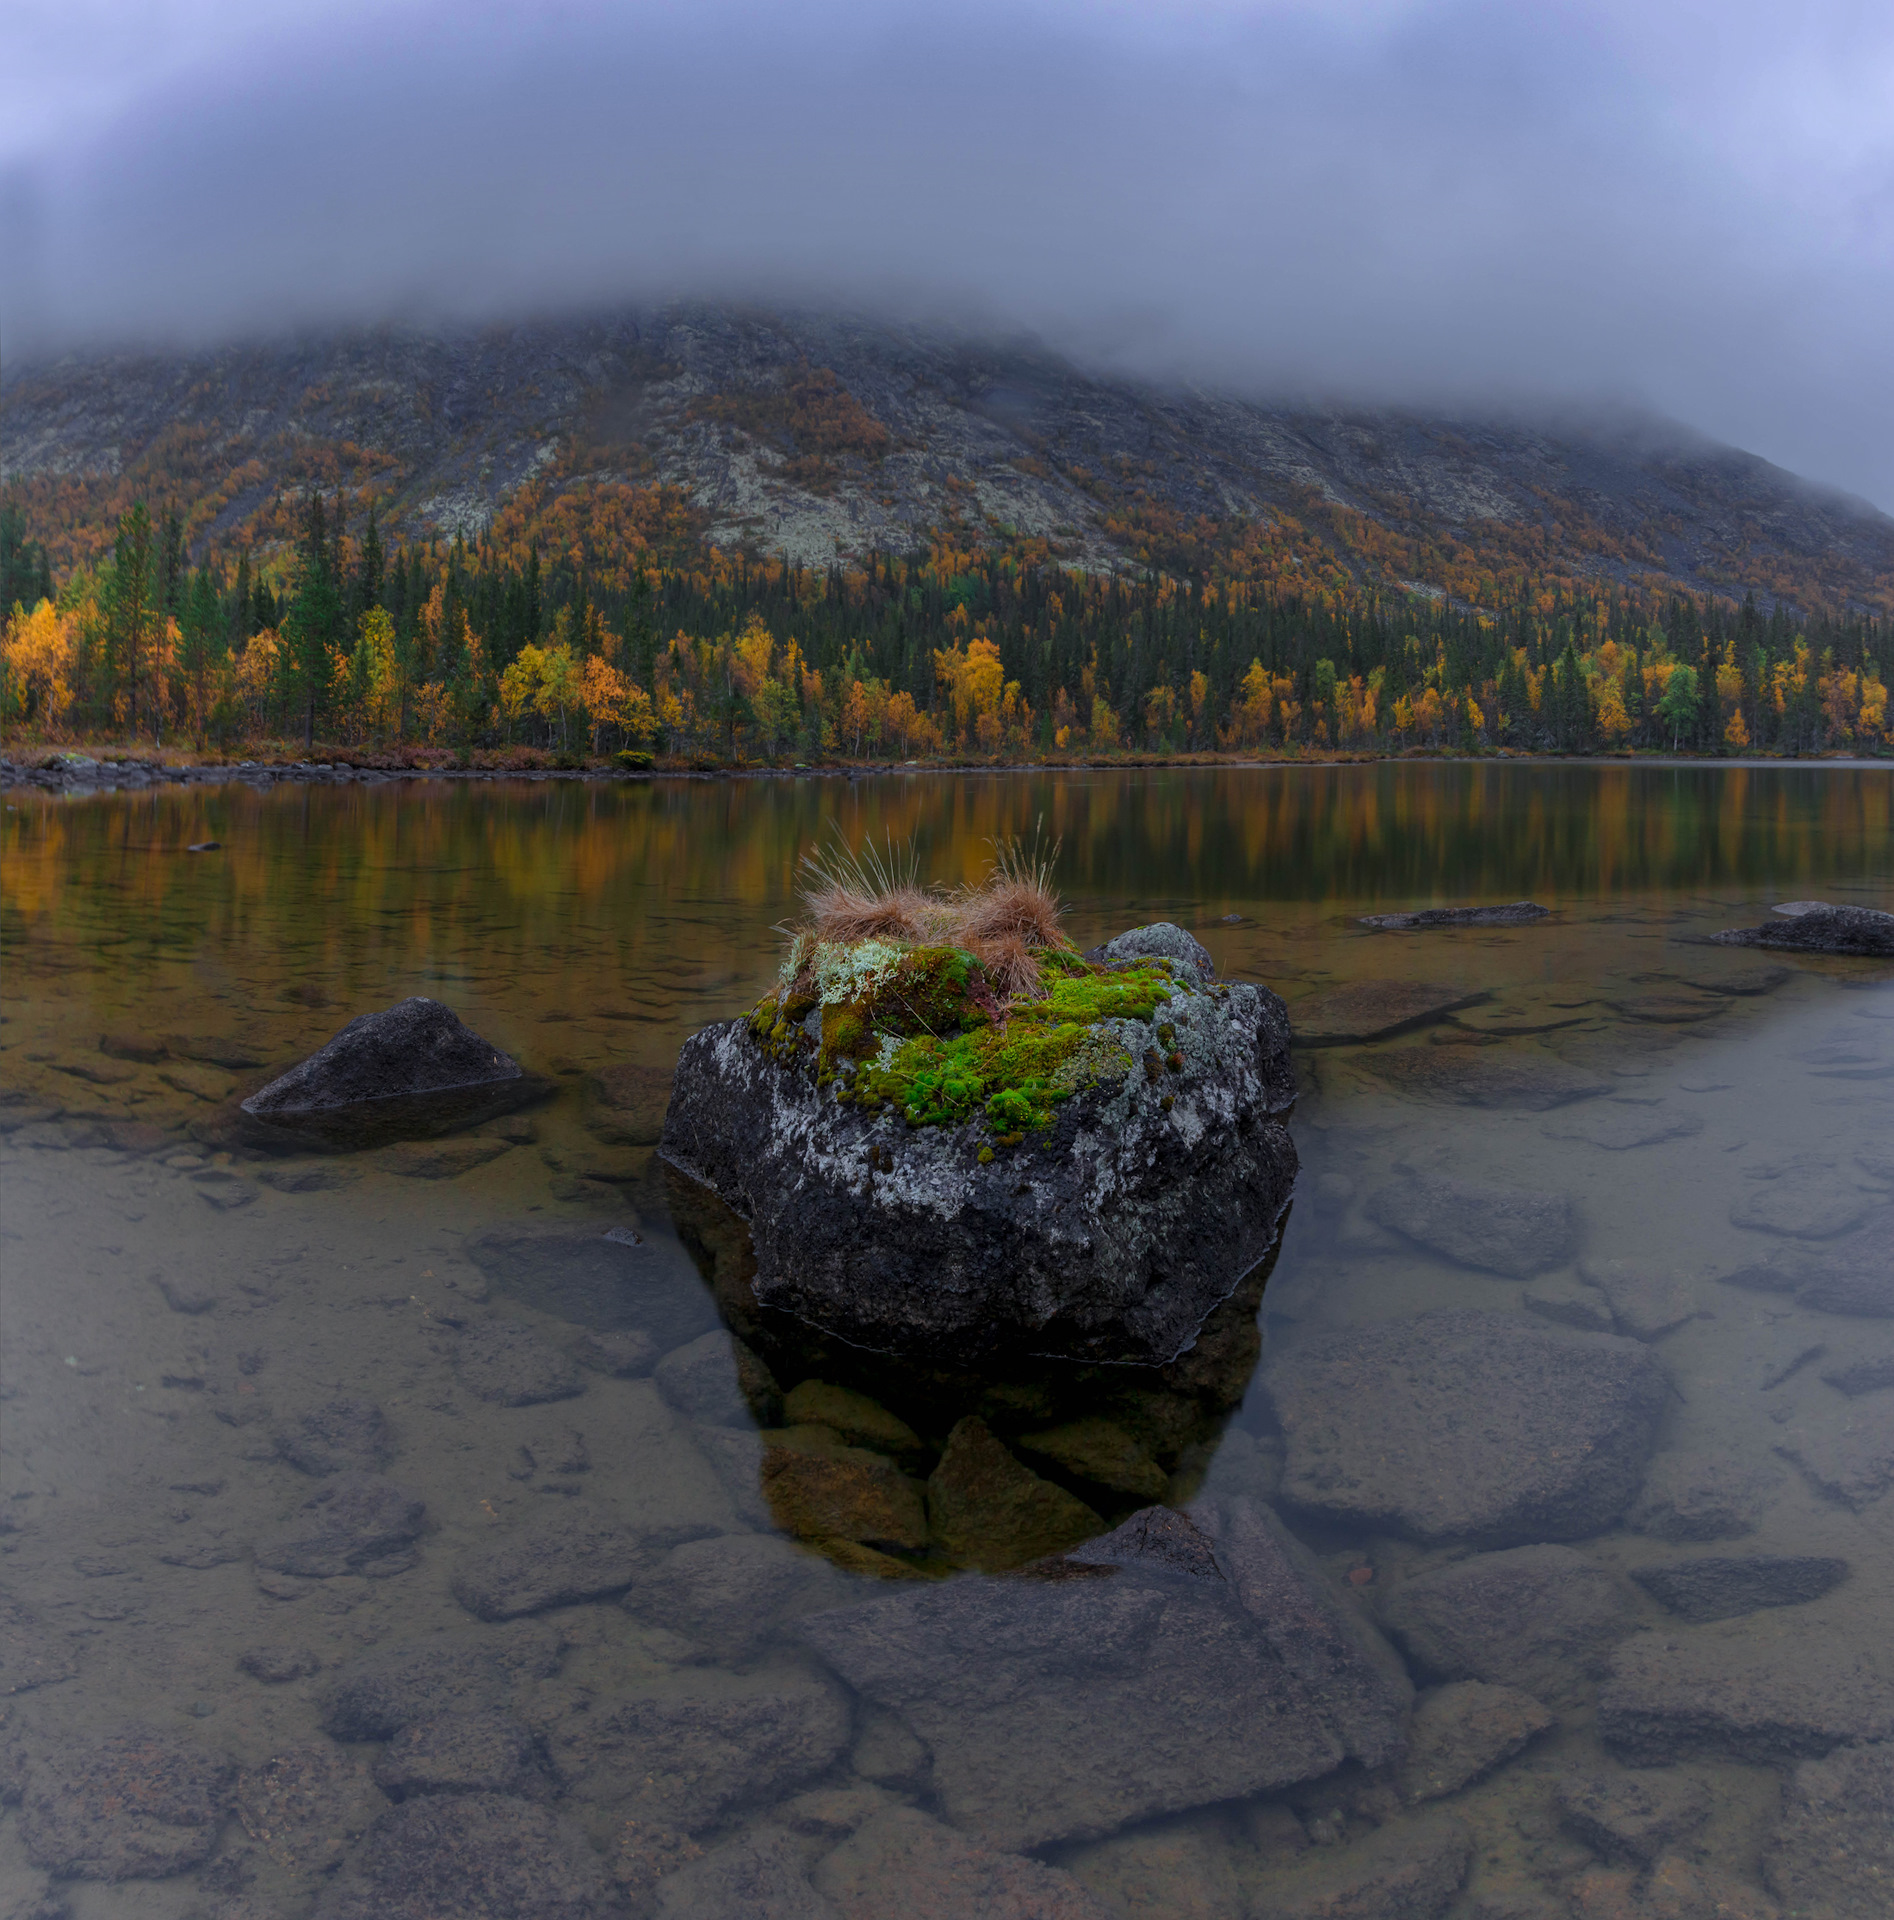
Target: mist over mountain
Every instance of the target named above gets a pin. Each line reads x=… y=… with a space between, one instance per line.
x=825 y=436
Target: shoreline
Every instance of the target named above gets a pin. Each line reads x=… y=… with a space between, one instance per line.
x=82 y=775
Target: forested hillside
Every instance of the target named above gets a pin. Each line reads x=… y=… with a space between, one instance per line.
x=724 y=535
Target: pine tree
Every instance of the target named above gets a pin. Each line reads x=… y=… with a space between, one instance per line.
x=313 y=624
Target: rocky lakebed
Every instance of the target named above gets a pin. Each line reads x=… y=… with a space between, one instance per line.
x=483 y=1522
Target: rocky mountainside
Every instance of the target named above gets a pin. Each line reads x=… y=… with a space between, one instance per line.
x=818 y=435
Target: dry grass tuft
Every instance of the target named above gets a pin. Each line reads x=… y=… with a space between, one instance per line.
x=871 y=894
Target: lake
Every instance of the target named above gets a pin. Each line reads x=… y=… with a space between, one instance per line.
x=444 y=1523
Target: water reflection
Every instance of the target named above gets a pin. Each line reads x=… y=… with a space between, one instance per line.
x=450 y=1525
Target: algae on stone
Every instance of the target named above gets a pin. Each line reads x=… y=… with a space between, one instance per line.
x=991 y=1512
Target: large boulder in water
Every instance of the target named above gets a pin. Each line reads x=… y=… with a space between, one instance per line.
x=932 y=1171
x=412 y=1069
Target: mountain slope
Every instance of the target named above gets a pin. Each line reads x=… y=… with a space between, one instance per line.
x=817 y=435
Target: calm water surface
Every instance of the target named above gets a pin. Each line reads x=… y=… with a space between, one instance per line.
x=551 y=1601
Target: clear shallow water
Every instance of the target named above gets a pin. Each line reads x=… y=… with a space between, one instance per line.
x=180 y=1326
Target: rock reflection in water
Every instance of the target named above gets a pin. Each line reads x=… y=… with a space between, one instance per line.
x=440 y=1528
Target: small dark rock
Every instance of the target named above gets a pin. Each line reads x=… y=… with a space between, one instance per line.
x=1833 y=1854
x=1506 y=1230
x=349 y=1435
x=1633 y=1816
x=1720 y=1588
x=1517 y=913
x=482 y=1854
x=375 y=1696
x=561 y=1563
x=353 y=1521
x=1862 y=1376
x=476 y=1750
x=502 y=1361
x=1376 y=1423
x=137 y=1805
x=1820 y=928
x=1537 y=1618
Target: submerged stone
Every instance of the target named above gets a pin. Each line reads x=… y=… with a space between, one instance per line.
x=819 y=1489
x=860 y=1421
x=1718 y=1587
x=1097 y=1210
x=1701 y=1496
x=1408 y=1870
x=1633 y=1816
x=1102 y=1452
x=413 y=1069
x=1376 y=1422
x=1833 y=1854
x=137 y=1805
x=1373 y=1009
x=1506 y=1230
x=1136 y=1678
x=1464 y=1731
x=991 y=1512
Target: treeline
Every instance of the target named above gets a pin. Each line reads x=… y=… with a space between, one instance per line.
x=997 y=652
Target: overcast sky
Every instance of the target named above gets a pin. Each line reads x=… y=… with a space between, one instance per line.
x=1689 y=207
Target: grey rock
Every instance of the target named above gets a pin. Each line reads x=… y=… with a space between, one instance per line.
x=1375 y=1419
x=611 y=1282
x=1633 y=1816
x=1161 y=940
x=1502 y=1229
x=137 y=1805
x=1516 y=913
x=305 y=1803
x=692 y=1747
x=1133 y=1682
x=1850 y=1459
x=1618 y=1126
x=412 y=1067
x=728 y=1594
x=901 y=1862
x=348 y=1525
x=1805 y=1204
x=707 y=1379
x=347 y=1435
x=505 y=1362
x=375 y=1696
x=1721 y=1587
x=1462 y=1732
x=624 y=1354
x=1701 y=1496
x=1820 y=928
x=1833 y=1854
x=888 y=1754
x=1373 y=1010
x=1408 y=1870
x=579 y=1557
x=476 y=1750
x=761 y=1875
x=1762 y=1691
x=1645 y=1304
x=1568 y=1302
x=471 y=1854
x=32 y=1654
x=1539 y=1618
x=1111 y=1237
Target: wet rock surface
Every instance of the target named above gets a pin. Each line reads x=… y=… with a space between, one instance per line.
x=473 y=1854
x=1633 y=1816
x=511 y=1365
x=1719 y=1587
x=1373 y=1419
x=1820 y=928
x=1515 y=913
x=1833 y=1854
x=412 y=1067
x=1502 y=1229
x=1182 y=1693
x=692 y=1747
x=137 y=1805
x=1762 y=1693
x=354 y=1523
x=1110 y=1236
x=1463 y=1731
x=1539 y=1618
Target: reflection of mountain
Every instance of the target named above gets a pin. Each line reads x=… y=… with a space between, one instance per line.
x=1019 y=1459
x=810 y=435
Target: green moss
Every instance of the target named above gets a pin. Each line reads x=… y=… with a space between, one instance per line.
x=923 y=1033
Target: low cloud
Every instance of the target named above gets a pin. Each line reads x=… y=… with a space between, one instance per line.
x=1434 y=203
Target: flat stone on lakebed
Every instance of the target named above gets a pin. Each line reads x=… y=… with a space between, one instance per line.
x=1373 y=1009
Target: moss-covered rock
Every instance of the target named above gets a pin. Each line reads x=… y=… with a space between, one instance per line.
x=934 y=1168
x=989 y=1511
x=1102 y=1452
x=854 y=1416
x=819 y=1489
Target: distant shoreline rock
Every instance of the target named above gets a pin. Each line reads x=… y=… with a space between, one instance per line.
x=1816 y=927
x=1516 y=913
